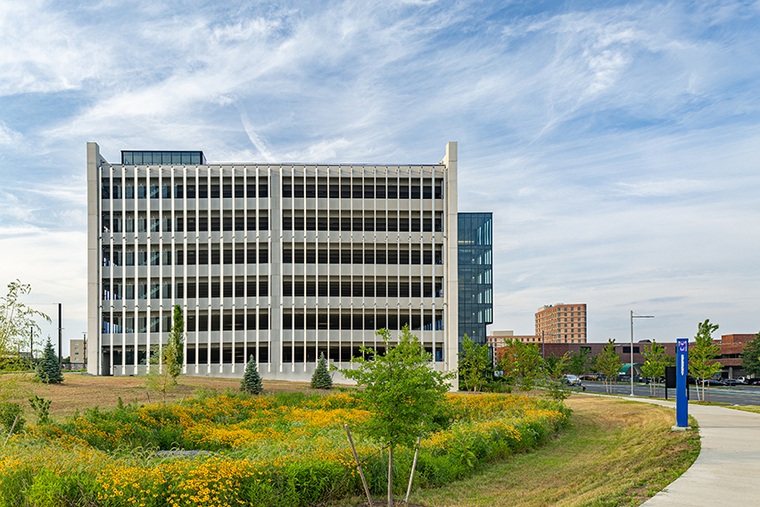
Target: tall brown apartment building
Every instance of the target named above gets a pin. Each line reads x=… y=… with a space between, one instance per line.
x=561 y=323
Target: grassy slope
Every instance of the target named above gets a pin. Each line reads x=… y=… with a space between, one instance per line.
x=616 y=453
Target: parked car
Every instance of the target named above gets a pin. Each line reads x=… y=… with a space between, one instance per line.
x=571 y=380
x=715 y=382
x=730 y=382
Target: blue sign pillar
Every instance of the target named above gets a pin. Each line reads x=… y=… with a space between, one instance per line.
x=682 y=383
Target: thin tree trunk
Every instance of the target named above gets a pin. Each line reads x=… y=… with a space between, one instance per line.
x=390 y=476
x=414 y=465
x=359 y=466
x=13 y=426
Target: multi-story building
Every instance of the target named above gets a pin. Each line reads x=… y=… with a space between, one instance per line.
x=281 y=262
x=475 y=260
x=561 y=323
x=77 y=353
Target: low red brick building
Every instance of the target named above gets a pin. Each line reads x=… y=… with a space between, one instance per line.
x=731 y=347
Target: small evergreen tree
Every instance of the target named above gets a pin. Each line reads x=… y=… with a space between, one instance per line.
x=251 y=379
x=321 y=378
x=48 y=370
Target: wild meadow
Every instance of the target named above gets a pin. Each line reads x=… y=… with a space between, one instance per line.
x=287 y=449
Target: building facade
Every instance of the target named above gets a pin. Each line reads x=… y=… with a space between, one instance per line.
x=561 y=323
x=281 y=262
x=475 y=261
x=77 y=354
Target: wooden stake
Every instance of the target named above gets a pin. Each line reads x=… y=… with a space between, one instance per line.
x=358 y=465
x=414 y=465
x=13 y=426
x=390 y=476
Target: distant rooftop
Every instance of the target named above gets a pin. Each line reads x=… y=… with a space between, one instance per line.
x=162 y=158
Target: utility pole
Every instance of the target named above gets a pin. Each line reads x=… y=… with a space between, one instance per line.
x=31 y=342
x=60 y=334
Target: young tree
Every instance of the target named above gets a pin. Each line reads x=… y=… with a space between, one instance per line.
x=751 y=356
x=609 y=363
x=251 y=379
x=174 y=355
x=528 y=364
x=578 y=362
x=474 y=363
x=17 y=320
x=48 y=370
x=654 y=364
x=702 y=356
x=168 y=363
x=555 y=368
x=403 y=391
x=321 y=378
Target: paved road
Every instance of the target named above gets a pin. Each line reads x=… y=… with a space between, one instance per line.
x=739 y=395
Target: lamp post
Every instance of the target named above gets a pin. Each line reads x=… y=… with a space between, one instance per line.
x=630 y=369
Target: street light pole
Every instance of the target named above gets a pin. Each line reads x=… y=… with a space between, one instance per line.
x=630 y=368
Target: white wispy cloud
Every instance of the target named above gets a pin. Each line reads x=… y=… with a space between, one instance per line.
x=617 y=144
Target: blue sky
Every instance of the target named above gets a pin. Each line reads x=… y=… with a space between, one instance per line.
x=617 y=144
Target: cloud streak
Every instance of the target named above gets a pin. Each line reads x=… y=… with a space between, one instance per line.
x=619 y=142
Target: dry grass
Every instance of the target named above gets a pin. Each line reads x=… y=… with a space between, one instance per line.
x=617 y=453
x=80 y=392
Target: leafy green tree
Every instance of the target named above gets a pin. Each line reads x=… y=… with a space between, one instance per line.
x=251 y=379
x=174 y=355
x=702 y=355
x=555 y=368
x=474 y=364
x=403 y=391
x=521 y=363
x=168 y=362
x=655 y=361
x=17 y=320
x=578 y=362
x=609 y=364
x=321 y=378
x=751 y=356
x=48 y=369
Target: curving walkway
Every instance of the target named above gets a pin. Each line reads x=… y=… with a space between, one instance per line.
x=727 y=470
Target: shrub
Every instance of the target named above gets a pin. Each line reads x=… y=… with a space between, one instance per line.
x=41 y=408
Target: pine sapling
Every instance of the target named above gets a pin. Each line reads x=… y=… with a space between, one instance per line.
x=321 y=378
x=251 y=379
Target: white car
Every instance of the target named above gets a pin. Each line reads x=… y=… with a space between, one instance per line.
x=571 y=380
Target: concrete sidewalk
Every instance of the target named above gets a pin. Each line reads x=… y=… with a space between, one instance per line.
x=727 y=471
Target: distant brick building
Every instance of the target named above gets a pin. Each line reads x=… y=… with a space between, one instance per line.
x=561 y=323
x=497 y=340
x=731 y=347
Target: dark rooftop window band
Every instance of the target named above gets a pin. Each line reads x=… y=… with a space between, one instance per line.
x=162 y=158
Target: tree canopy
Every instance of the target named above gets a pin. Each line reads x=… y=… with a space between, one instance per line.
x=402 y=389
x=751 y=356
x=702 y=355
x=474 y=364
